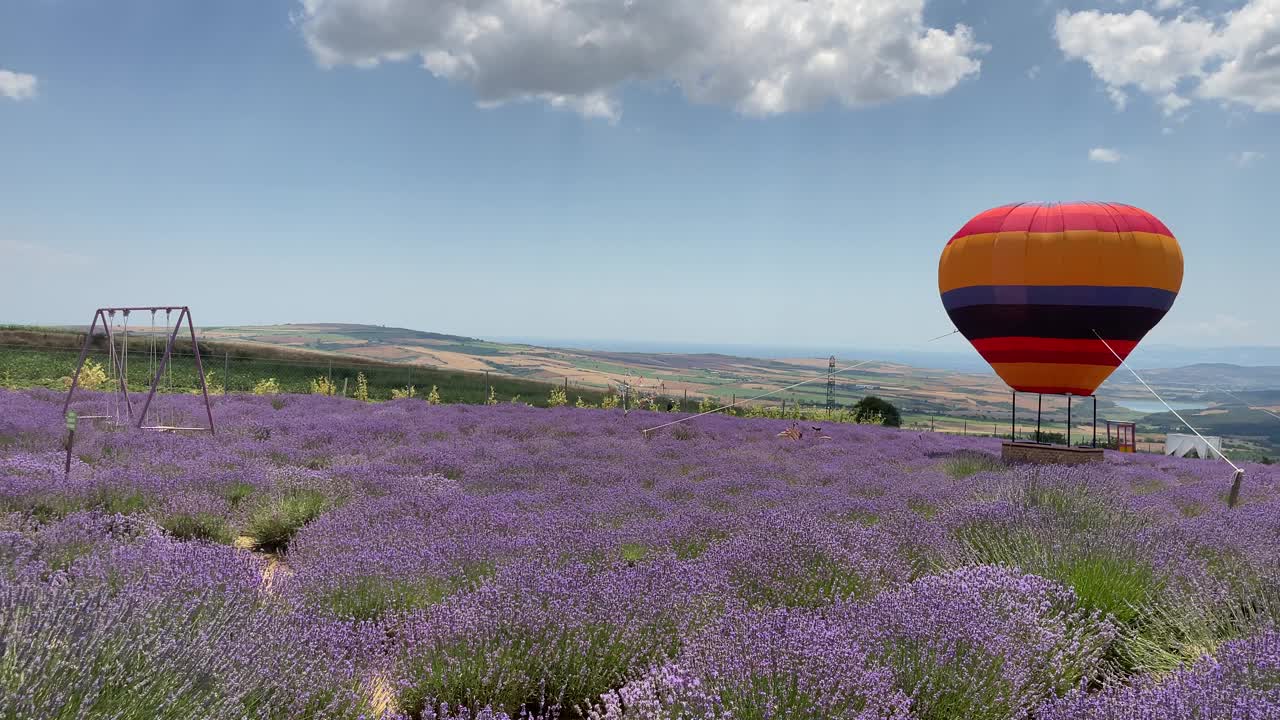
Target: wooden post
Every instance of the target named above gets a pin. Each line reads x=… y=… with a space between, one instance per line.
x=933 y=423
x=684 y=406
x=344 y=386
x=1236 y=480
x=226 y=371
x=966 y=428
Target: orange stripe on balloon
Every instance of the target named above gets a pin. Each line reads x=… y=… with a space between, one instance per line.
x=1082 y=379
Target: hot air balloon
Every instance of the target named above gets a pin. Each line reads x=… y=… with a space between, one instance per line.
x=1029 y=284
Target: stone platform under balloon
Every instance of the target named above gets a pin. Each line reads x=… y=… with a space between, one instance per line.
x=1044 y=454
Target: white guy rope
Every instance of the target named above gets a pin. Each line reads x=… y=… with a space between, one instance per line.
x=771 y=393
x=1167 y=405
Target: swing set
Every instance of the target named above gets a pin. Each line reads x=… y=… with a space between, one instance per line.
x=115 y=324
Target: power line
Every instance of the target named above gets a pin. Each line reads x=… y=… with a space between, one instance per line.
x=1246 y=403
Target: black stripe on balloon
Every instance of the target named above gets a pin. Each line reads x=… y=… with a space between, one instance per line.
x=1066 y=322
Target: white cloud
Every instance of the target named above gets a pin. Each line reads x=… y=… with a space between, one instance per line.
x=1033 y=72
x=16 y=251
x=1235 y=59
x=16 y=85
x=1220 y=326
x=1118 y=98
x=1163 y=5
x=1104 y=155
x=1247 y=158
x=761 y=57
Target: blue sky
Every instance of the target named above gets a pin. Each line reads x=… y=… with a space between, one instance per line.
x=613 y=169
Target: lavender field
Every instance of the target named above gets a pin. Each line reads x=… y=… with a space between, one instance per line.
x=325 y=558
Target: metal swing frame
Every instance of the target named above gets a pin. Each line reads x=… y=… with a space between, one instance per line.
x=106 y=315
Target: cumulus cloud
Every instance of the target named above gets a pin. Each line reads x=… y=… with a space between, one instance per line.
x=1235 y=59
x=1033 y=72
x=760 y=57
x=1104 y=155
x=16 y=85
x=1248 y=157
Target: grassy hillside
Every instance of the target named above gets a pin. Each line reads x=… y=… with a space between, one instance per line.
x=43 y=357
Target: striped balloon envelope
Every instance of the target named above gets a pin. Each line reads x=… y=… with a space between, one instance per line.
x=1028 y=284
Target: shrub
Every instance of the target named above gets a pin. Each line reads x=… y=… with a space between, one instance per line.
x=371 y=597
x=609 y=402
x=872 y=410
x=362 y=388
x=777 y=664
x=213 y=387
x=92 y=376
x=967 y=463
x=273 y=526
x=491 y=400
x=82 y=650
x=558 y=398
x=267 y=387
x=981 y=642
x=323 y=386
x=433 y=397
x=236 y=492
x=198 y=526
x=1074 y=534
x=569 y=639
x=1243 y=681
x=707 y=404
x=404 y=393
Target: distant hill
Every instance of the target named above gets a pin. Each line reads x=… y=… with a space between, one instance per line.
x=700 y=374
x=976 y=399
x=976 y=394
x=1206 y=377
x=1170 y=356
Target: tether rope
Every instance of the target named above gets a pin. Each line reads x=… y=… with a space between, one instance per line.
x=1167 y=405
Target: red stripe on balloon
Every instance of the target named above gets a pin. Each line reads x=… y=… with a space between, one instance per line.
x=1052 y=351
x=1051 y=357
x=1063 y=217
x=1041 y=344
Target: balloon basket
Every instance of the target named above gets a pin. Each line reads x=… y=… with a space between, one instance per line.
x=1043 y=454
